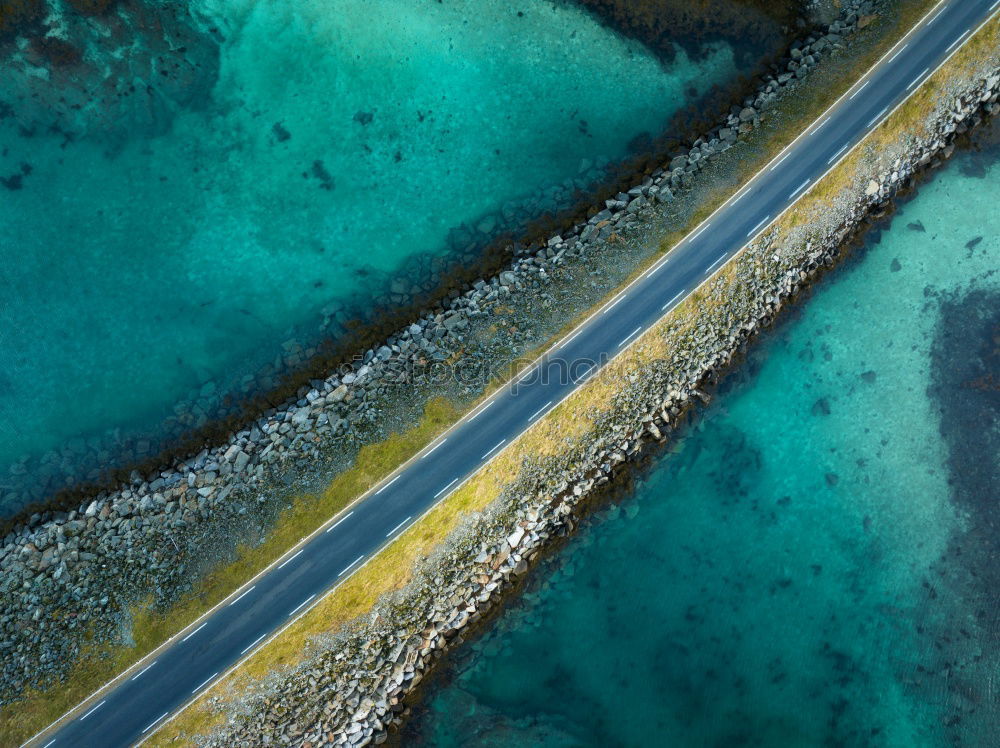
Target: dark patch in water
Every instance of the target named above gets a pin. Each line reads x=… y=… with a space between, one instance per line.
x=894 y=266
x=916 y=226
x=320 y=172
x=280 y=132
x=972 y=243
x=364 y=118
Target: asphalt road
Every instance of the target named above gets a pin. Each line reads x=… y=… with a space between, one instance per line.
x=144 y=698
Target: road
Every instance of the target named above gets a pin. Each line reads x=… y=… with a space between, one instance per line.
x=144 y=698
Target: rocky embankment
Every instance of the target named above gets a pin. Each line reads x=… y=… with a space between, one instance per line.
x=65 y=575
x=353 y=688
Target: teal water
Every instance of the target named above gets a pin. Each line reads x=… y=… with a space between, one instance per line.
x=816 y=562
x=340 y=144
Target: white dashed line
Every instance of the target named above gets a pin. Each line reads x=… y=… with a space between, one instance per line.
x=206 y=682
x=301 y=605
x=799 y=189
x=443 y=490
x=54 y=740
x=540 y=410
x=393 y=530
x=834 y=156
x=291 y=558
x=995 y=4
x=346 y=568
x=428 y=453
x=740 y=196
x=195 y=631
x=481 y=410
x=754 y=229
x=898 y=51
x=337 y=523
x=141 y=672
x=629 y=336
x=92 y=711
x=698 y=233
x=570 y=339
x=712 y=266
x=778 y=163
x=150 y=725
x=820 y=125
x=245 y=593
x=958 y=40
x=860 y=89
x=613 y=303
x=253 y=644
x=656 y=267
x=939 y=13
x=499 y=444
x=917 y=79
x=663 y=308
x=877 y=116
x=387 y=485
x=584 y=375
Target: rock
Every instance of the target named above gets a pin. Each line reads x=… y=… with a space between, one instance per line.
x=748 y=114
x=872 y=188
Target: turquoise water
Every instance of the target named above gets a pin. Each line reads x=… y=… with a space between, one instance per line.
x=816 y=564
x=339 y=142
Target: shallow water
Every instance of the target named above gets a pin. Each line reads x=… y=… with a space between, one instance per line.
x=338 y=142
x=816 y=564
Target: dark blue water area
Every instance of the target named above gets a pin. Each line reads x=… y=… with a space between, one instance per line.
x=815 y=562
x=197 y=196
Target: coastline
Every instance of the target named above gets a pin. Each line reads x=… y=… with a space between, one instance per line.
x=506 y=539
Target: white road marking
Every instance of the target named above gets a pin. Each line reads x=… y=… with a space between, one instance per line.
x=754 y=229
x=817 y=128
x=958 y=40
x=92 y=711
x=54 y=740
x=346 y=568
x=207 y=681
x=393 y=530
x=917 y=79
x=712 y=266
x=441 y=492
x=570 y=339
x=740 y=196
x=613 y=302
x=136 y=676
x=799 y=189
x=583 y=376
x=291 y=558
x=195 y=631
x=629 y=336
x=147 y=728
x=337 y=523
x=299 y=606
x=834 y=156
x=253 y=644
x=859 y=90
x=499 y=444
x=672 y=301
x=428 y=452
x=939 y=13
x=995 y=4
x=387 y=485
x=877 y=116
x=897 y=53
x=539 y=411
x=660 y=264
x=482 y=409
x=698 y=233
x=778 y=163
x=245 y=593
